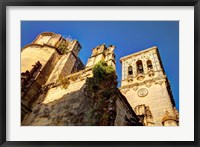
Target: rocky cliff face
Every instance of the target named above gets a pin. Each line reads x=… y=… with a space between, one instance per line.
x=95 y=101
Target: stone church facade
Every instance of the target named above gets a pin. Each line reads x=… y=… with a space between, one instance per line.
x=52 y=61
x=147 y=89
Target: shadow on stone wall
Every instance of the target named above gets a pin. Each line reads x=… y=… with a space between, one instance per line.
x=69 y=110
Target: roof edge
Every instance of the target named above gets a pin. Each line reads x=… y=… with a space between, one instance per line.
x=137 y=53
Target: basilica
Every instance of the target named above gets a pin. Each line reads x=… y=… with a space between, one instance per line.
x=57 y=89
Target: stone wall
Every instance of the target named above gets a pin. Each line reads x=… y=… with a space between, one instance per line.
x=83 y=103
x=125 y=116
x=155 y=96
x=48 y=58
x=60 y=107
x=34 y=53
x=55 y=60
x=78 y=66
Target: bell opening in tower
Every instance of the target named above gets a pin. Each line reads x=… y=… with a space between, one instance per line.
x=130 y=70
x=149 y=65
x=139 y=67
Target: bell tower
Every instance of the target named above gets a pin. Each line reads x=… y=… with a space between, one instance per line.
x=147 y=89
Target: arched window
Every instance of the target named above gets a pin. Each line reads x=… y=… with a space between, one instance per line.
x=139 y=66
x=130 y=70
x=149 y=65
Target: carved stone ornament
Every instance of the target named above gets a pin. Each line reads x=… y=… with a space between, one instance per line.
x=142 y=92
x=135 y=88
x=124 y=91
x=140 y=77
x=148 y=84
x=159 y=82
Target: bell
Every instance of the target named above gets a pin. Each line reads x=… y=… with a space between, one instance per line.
x=140 y=67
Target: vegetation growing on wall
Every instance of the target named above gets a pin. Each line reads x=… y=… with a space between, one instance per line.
x=101 y=71
x=62 y=48
x=101 y=89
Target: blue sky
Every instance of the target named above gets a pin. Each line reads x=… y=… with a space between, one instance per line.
x=128 y=36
